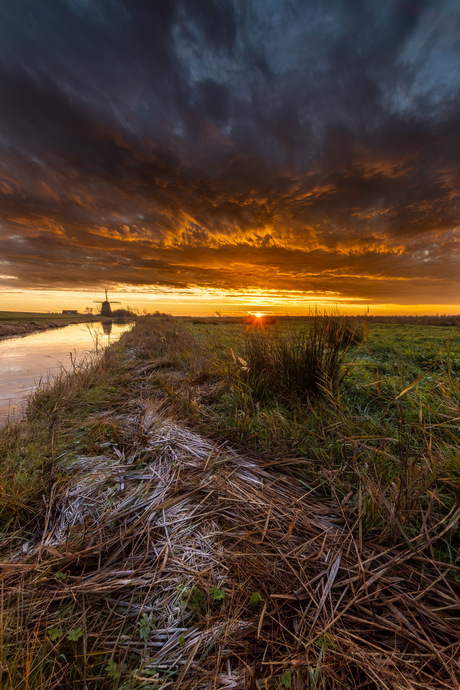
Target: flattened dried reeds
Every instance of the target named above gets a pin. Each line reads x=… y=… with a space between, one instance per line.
x=187 y=565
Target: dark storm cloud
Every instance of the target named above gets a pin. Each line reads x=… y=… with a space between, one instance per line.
x=297 y=145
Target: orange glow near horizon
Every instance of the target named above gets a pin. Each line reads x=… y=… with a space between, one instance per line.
x=256 y=187
x=205 y=302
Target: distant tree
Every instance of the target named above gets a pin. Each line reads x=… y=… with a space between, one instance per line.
x=123 y=312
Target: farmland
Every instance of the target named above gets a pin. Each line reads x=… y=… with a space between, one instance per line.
x=17 y=323
x=213 y=504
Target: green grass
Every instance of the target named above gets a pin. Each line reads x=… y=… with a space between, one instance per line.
x=384 y=437
x=371 y=427
x=297 y=365
x=58 y=417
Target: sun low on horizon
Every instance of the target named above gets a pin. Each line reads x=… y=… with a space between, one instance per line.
x=231 y=157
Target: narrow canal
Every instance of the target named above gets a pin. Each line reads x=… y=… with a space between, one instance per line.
x=25 y=361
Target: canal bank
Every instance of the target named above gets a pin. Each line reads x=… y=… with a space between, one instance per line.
x=27 y=360
x=19 y=327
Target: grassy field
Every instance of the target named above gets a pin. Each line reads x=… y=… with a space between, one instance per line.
x=389 y=432
x=215 y=505
x=35 y=316
x=13 y=323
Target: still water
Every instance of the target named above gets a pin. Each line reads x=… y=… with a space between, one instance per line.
x=26 y=360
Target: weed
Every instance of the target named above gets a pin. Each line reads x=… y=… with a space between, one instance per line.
x=74 y=635
x=255 y=599
x=146 y=625
x=216 y=594
x=295 y=366
x=286 y=679
x=113 y=670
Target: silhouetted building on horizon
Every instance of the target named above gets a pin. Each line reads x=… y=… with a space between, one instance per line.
x=106 y=309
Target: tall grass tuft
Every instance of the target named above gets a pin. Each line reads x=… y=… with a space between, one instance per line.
x=300 y=364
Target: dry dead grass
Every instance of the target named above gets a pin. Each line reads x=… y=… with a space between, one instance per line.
x=150 y=559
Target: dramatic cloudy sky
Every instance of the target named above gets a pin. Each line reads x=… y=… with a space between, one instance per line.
x=290 y=150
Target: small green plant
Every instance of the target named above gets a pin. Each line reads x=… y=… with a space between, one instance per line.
x=196 y=599
x=255 y=599
x=75 y=634
x=60 y=576
x=216 y=594
x=146 y=625
x=113 y=670
x=286 y=679
x=54 y=634
x=325 y=643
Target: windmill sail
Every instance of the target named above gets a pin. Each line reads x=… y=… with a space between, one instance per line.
x=106 y=309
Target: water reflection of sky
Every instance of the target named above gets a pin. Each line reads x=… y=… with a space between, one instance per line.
x=27 y=360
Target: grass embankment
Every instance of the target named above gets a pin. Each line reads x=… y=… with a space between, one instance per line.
x=138 y=554
x=14 y=323
x=379 y=418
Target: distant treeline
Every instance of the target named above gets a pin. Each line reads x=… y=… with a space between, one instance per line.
x=426 y=320
x=436 y=320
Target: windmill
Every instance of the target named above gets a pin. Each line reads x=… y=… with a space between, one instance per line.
x=106 y=309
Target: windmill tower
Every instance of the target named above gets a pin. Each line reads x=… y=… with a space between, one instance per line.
x=106 y=309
